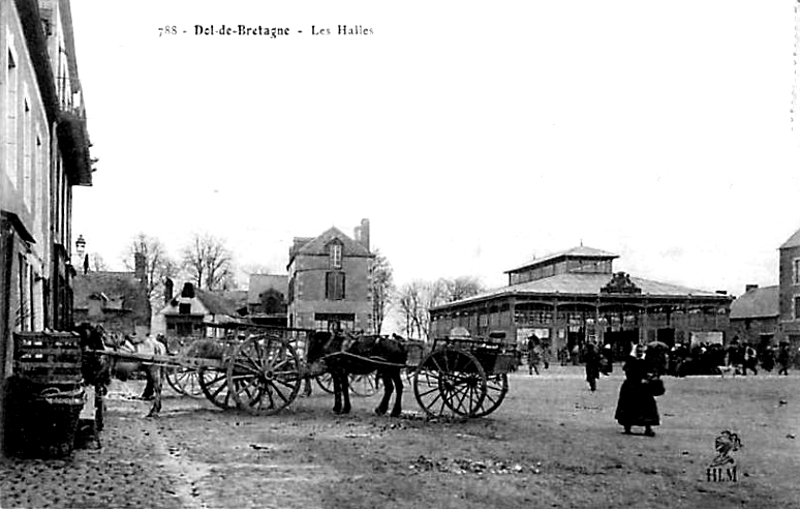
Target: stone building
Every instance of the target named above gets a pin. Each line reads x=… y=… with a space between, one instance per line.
x=573 y=296
x=754 y=315
x=789 y=291
x=266 y=299
x=116 y=299
x=43 y=154
x=193 y=312
x=330 y=279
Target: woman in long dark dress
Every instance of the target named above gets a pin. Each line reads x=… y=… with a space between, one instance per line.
x=636 y=406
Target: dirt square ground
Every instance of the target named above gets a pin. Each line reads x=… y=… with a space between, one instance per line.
x=552 y=443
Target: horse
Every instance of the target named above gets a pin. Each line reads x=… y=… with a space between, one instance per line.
x=123 y=368
x=342 y=355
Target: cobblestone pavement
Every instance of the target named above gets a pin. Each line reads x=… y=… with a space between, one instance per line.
x=193 y=456
x=126 y=472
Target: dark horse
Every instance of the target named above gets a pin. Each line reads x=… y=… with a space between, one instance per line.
x=342 y=355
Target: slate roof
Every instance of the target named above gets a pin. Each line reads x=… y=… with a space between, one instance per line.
x=577 y=252
x=793 y=241
x=585 y=284
x=216 y=302
x=261 y=282
x=319 y=245
x=761 y=302
x=122 y=290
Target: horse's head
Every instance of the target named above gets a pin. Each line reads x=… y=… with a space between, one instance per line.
x=92 y=336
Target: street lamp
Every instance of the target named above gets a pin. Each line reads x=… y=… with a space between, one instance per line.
x=80 y=246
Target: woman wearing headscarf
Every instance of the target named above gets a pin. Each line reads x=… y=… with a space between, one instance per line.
x=636 y=405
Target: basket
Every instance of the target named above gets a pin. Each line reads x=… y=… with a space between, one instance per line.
x=48 y=358
x=42 y=424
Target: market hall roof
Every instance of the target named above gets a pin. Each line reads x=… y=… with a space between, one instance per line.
x=588 y=285
x=757 y=303
x=582 y=252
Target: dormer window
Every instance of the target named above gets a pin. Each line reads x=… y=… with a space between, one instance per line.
x=335 y=254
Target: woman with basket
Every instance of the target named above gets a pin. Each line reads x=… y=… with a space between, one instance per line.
x=637 y=405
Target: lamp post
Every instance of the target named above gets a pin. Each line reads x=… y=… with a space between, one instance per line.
x=80 y=250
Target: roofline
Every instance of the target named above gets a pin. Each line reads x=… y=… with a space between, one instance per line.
x=511 y=292
x=557 y=256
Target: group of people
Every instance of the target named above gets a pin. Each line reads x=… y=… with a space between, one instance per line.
x=743 y=357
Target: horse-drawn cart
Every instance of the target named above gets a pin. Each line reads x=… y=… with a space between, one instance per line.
x=262 y=372
x=466 y=377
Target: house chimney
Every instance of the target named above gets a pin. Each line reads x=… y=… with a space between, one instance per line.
x=749 y=287
x=362 y=233
x=140 y=268
x=169 y=288
x=188 y=290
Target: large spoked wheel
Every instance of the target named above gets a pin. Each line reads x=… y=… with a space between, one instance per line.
x=364 y=385
x=450 y=382
x=185 y=381
x=360 y=385
x=214 y=385
x=325 y=382
x=496 y=389
x=264 y=375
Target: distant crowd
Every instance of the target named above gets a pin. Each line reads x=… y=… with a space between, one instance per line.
x=679 y=360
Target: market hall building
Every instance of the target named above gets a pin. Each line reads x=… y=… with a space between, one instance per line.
x=575 y=296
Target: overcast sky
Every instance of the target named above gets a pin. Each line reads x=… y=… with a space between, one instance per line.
x=473 y=135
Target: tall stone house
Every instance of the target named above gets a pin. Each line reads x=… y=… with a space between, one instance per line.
x=789 y=293
x=330 y=281
x=44 y=152
x=770 y=315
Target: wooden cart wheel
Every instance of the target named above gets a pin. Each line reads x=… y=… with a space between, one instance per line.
x=450 y=381
x=496 y=389
x=185 y=381
x=214 y=384
x=364 y=385
x=360 y=385
x=264 y=374
x=325 y=382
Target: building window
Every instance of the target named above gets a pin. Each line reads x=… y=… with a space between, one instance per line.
x=184 y=308
x=27 y=155
x=796 y=271
x=797 y=308
x=334 y=285
x=334 y=321
x=12 y=81
x=335 y=253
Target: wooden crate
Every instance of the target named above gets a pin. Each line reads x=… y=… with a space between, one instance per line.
x=50 y=358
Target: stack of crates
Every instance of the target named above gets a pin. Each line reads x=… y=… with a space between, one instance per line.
x=45 y=394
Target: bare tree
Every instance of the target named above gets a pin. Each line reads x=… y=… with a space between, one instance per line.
x=382 y=289
x=462 y=287
x=208 y=262
x=415 y=300
x=96 y=263
x=158 y=266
